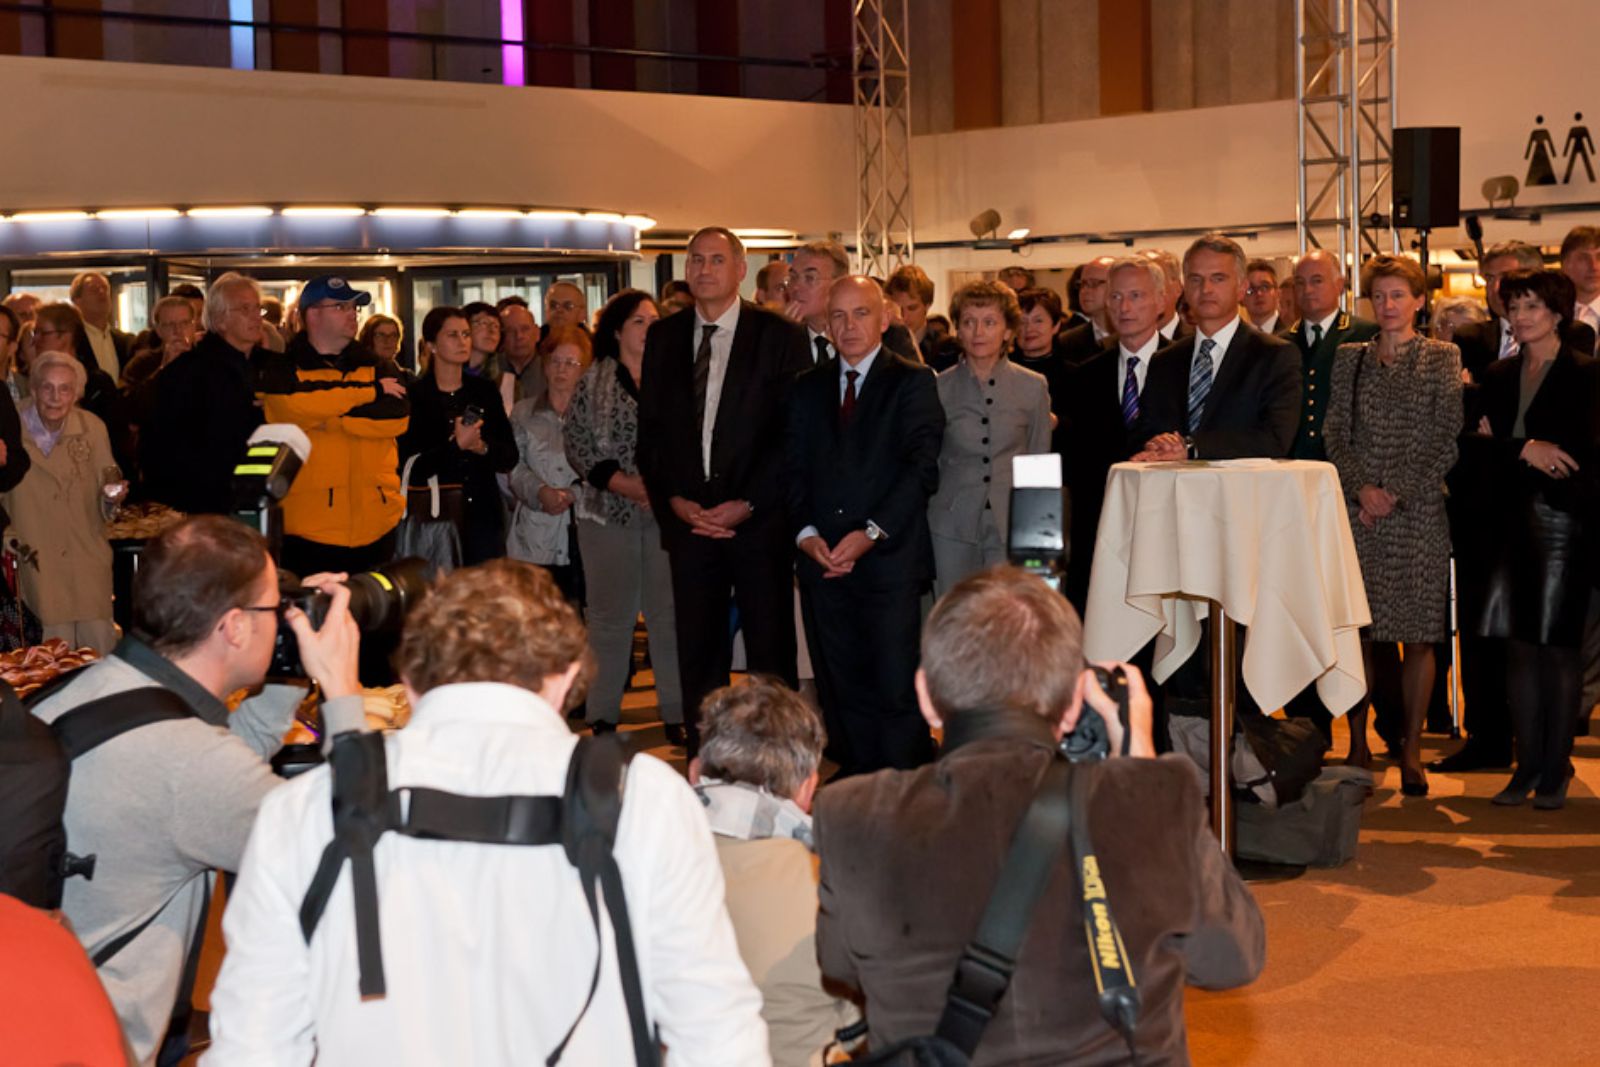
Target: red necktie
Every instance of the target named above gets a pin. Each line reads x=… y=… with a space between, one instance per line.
x=847 y=407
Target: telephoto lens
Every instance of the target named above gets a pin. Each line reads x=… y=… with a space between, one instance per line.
x=380 y=599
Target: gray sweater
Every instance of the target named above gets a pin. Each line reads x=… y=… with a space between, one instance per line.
x=160 y=807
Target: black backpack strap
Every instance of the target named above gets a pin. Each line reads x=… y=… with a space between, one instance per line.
x=90 y=725
x=984 y=971
x=510 y=820
x=1113 y=970
x=361 y=814
x=592 y=801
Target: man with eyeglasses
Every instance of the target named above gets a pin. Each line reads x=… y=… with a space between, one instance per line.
x=163 y=804
x=344 y=507
x=484 y=359
x=564 y=305
x=1261 y=295
x=205 y=406
x=1082 y=342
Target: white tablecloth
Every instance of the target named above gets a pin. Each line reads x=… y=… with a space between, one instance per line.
x=1269 y=539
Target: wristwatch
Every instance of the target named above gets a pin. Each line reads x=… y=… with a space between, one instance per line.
x=875 y=532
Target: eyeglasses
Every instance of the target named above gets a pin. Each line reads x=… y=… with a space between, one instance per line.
x=1260 y=290
x=561 y=305
x=332 y=305
x=568 y=363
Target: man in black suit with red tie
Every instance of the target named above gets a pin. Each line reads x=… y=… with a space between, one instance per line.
x=715 y=379
x=862 y=459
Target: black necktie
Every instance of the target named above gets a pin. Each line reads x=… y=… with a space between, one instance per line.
x=821 y=343
x=702 y=372
x=847 y=407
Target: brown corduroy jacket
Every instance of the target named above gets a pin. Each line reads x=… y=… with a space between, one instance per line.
x=909 y=859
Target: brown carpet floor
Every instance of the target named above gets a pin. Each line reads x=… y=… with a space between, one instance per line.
x=1462 y=933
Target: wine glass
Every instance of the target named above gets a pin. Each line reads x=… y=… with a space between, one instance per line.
x=113 y=491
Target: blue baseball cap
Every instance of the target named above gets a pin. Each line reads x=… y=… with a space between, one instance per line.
x=331 y=287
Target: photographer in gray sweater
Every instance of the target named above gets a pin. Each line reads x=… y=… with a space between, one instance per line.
x=161 y=806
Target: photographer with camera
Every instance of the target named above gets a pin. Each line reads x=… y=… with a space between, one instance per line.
x=153 y=810
x=911 y=860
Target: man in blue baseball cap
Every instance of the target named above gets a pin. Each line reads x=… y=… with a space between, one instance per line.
x=342 y=511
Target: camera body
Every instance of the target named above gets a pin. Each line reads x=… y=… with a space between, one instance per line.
x=379 y=601
x=1040 y=518
x=1090 y=740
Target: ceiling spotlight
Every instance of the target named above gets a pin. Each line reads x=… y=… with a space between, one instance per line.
x=1505 y=187
x=985 y=224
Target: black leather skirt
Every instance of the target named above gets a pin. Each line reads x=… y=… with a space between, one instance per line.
x=1538 y=589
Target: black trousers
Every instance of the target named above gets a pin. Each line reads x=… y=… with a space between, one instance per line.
x=1543 y=682
x=306 y=558
x=1483 y=683
x=753 y=570
x=865 y=646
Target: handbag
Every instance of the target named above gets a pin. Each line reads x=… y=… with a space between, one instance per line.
x=983 y=974
x=432 y=531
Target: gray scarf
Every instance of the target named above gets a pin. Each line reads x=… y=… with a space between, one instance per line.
x=750 y=813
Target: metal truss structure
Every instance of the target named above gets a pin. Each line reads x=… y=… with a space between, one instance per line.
x=1345 y=74
x=880 y=74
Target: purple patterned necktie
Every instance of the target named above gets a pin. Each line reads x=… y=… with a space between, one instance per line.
x=1130 y=395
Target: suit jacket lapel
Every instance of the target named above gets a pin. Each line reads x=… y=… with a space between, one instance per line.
x=1233 y=365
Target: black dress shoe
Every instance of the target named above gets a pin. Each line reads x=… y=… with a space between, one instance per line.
x=600 y=726
x=1413 y=788
x=1515 y=794
x=677 y=734
x=1471 y=757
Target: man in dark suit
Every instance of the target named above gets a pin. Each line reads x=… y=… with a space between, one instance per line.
x=712 y=392
x=1230 y=391
x=1105 y=407
x=1171 y=326
x=99 y=343
x=1082 y=340
x=1580 y=262
x=864 y=430
x=817 y=265
x=1319 y=284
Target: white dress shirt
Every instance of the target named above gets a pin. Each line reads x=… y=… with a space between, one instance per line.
x=1508 y=340
x=1327 y=324
x=1140 y=369
x=721 y=346
x=1269 y=324
x=105 y=349
x=1589 y=313
x=487 y=949
x=1169 y=329
x=811 y=344
x=1224 y=338
x=861 y=370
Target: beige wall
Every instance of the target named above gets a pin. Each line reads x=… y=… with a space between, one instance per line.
x=97 y=134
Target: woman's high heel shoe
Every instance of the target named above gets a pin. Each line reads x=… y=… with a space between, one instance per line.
x=1413 y=787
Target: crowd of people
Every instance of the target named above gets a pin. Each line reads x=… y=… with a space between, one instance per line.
x=799 y=471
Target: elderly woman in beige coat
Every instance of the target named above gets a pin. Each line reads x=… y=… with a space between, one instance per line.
x=57 y=528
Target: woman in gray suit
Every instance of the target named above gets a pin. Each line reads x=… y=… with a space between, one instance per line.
x=993 y=410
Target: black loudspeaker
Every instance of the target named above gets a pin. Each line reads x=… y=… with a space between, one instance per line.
x=1427 y=177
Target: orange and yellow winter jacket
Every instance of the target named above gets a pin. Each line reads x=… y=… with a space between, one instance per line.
x=348 y=492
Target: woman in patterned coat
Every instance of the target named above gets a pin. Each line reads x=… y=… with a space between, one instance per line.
x=625 y=566
x=1393 y=416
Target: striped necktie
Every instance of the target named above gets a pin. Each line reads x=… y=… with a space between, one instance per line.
x=1130 y=394
x=702 y=371
x=1200 y=383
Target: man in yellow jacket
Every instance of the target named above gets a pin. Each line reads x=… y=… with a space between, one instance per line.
x=342 y=512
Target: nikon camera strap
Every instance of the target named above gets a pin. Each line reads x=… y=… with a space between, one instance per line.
x=1108 y=956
